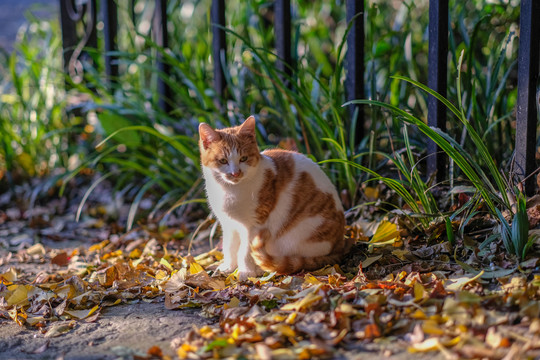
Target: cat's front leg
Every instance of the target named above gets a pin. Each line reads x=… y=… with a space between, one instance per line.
x=246 y=265
x=231 y=242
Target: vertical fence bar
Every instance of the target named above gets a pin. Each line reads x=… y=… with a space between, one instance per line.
x=219 y=45
x=355 y=63
x=159 y=28
x=69 y=34
x=282 y=28
x=71 y=13
x=91 y=23
x=110 y=18
x=437 y=80
x=527 y=101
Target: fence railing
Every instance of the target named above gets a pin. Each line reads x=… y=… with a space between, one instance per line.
x=528 y=63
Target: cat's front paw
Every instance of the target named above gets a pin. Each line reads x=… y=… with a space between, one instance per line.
x=226 y=268
x=243 y=275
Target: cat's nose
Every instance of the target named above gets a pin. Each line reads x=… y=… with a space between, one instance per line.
x=236 y=173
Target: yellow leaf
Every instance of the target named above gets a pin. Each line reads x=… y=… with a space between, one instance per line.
x=81 y=314
x=312 y=280
x=66 y=292
x=459 y=283
x=385 y=232
x=116 y=253
x=291 y=318
x=18 y=315
x=266 y=278
x=184 y=350
x=328 y=270
x=302 y=304
x=135 y=253
x=99 y=246
x=284 y=330
x=419 y=314
x=236 y=331
x=452 y=342
x=231 y=278
x=430 y=344
x=431 y=327
x=9 y=276
x=195 y=268
x=206 y=332
x=400 y=253
x=371 y=193
x=232 y=304
x=419 y=291
x=210 y=257
x=33 y=320
x=160 y=275
x=277 y=317
x=19 y=296
x=166 y=264
x=401 y=276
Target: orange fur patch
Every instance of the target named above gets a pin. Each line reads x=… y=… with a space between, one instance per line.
x=274 y=183
x=231 y=139
x=308 y=201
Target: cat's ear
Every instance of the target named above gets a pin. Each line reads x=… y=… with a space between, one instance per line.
x=248 y=127
x=208 y=135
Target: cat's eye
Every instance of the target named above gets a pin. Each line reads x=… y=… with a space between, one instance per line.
x=243 y=159
x=223 y=161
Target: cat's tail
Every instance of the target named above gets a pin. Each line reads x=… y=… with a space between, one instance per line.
x=293 y=264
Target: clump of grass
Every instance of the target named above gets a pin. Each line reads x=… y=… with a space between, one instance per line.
x=34 y=129
x=515 y=236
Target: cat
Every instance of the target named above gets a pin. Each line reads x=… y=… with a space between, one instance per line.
x=278 y=210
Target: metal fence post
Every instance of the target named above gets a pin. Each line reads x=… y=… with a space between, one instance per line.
x=219 y=45
x=437 y=80
x=73 y=46
x=159 y=28
x=69 y=33
x=527 y=100
x=282 y=28
x=355 y=63
x=110 y=18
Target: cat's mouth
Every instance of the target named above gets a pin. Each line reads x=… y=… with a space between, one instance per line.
x=233 y=178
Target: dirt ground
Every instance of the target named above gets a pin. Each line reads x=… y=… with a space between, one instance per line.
x=122 y=331
x=128 y=331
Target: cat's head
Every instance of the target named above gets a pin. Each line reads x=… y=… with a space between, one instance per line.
x=232 y=153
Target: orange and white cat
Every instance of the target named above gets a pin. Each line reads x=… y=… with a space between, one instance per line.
x=277 y=209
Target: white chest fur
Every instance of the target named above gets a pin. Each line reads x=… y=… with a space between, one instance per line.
x=238 y=201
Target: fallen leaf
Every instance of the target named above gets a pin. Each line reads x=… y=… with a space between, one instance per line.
x=459 y=283
x=370 y=260
x=59 y=329
x=302 y=304
x=36 y=249
x=61 y=259
x=81 y=314
x=386 y=231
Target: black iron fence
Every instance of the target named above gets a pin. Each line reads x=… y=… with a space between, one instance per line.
x=84 y=11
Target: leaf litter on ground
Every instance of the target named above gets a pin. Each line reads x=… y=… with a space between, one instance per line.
x=459 y=301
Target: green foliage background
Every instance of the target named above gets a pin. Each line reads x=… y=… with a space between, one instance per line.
x=148 y=150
